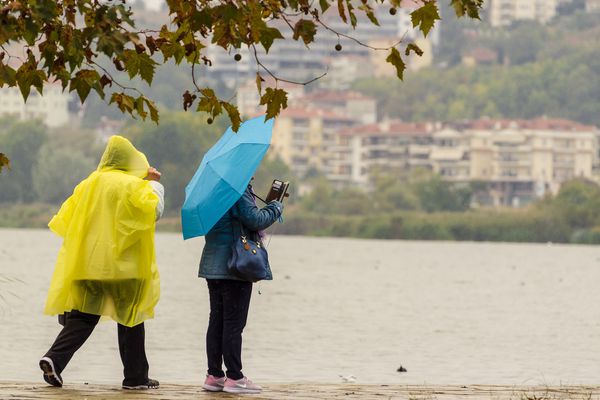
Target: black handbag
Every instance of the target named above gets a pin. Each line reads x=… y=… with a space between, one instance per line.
x=249 y=259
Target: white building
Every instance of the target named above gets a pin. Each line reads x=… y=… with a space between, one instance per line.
x=505 y=12
x=52 y=108
x=517 y=160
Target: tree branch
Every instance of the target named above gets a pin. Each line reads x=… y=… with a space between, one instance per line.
x=277 y=79
x=95 y=64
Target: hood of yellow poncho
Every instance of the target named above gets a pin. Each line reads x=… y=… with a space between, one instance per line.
x=121 y=155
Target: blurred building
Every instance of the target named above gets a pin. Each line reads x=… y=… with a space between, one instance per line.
x=479 y=56
x=356 y=106
x=505 y=12
x=386 y=147
x=523 y=160
x=292 y=60
x=52 y=107
x=303 y=138
x=516 y=161
x=592 y=5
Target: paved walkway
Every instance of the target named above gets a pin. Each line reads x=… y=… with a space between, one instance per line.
x=27 y=391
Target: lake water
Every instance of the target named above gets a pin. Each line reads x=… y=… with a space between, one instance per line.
x=450 y=313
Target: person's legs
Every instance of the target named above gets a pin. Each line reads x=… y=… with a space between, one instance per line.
x=78 y=327
x=236 y=302
x=214 y=333
x=133 y=354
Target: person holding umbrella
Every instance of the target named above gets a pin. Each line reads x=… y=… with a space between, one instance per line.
x=106 y=265
x=218 y=200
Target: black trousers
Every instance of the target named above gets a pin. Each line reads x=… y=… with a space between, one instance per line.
x=229 y=304
x=79 y=326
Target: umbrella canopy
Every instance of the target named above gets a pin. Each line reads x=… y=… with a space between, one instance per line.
x=223 y=175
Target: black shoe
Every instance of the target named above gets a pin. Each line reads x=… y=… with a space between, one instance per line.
x=150 y=384
x=50 y=375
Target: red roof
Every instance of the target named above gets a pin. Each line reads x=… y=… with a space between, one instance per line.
x=483 y=55
x=389 y=128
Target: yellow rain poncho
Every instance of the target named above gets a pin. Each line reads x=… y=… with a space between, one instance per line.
x=106 y=265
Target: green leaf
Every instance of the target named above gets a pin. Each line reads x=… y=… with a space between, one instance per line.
x=4 y=162
x=342 y=10
x=125 y=102
x=468 y=7
x=370 y=13
x=234 y=115
x=259 y=81
x=413 y=47
x=209 y=102
x=139 y=107
x=324 y=5
x=7 y=76
x=353 y=20
x=425 y=17
x=275 y=100
x=173 y=50
x=139 y=64
x=268 y=36
x=306 y=30
x=83 y=81
x=38 y=79
x=27 y=76
x=395 y=59
x=152 y=109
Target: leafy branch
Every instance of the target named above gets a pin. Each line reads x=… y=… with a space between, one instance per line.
x=63 y=40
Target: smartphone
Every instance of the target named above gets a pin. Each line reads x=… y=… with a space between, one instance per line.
x=278 y=191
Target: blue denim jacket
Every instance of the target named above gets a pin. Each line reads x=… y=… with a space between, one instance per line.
x=218 y=241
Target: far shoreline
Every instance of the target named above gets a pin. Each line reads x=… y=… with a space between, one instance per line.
x=357 y=239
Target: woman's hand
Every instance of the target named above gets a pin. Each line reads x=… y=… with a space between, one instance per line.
x=153 y=174
x=279 y=206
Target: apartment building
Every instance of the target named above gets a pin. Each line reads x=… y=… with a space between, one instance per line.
x=516 y=161
x=304 y=137
x=387 y=146
x=522 y=160
x=52 y=107
x=505 y=12
x=355 y=105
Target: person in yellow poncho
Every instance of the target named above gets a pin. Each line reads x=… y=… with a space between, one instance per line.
x=106 y=265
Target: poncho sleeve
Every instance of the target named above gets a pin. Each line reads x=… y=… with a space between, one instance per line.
x=137 y=215
x=59 y=224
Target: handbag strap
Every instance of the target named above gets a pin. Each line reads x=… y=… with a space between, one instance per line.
x=237 y=226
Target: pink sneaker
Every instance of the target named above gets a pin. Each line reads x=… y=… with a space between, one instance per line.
x=243 y=385
x=213 y=384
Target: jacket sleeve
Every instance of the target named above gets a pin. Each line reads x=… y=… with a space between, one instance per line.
x=254 y=218
x=159 y=190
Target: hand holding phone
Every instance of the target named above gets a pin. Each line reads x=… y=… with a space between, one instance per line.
x=278 y=191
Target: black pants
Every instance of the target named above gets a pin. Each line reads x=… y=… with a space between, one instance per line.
x=229 y=303
x=79 y=326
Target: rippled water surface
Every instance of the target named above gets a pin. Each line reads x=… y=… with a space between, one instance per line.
x=448 y=312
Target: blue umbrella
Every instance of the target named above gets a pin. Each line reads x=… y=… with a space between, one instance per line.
x=223 y=175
